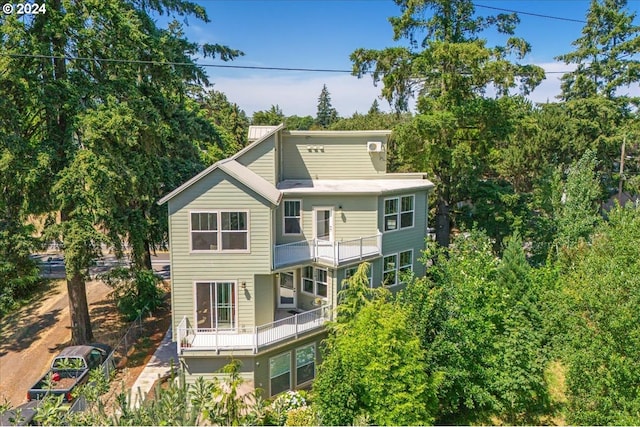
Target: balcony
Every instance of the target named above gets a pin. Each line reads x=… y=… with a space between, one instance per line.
x=332 y=253
x=192 y=339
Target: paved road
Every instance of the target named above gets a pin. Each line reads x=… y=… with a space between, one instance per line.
x=52 y=265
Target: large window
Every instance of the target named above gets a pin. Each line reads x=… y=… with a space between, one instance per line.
x=216 y=305
x=234 y=230
x=292 y=217
x=280 y=373
x=398 y=213
x=305 y=364
x=405 y=264
x=219 y=230
x=406 y=211
x=204 y=231
x=351 y=271
x=395 y=266
x=390 y=214
x=315 y=281
x=389 y=273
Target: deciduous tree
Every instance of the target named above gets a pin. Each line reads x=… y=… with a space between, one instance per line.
x=449 y=67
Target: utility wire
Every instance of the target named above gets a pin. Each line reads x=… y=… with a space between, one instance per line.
x=190 y=64
x=151 y=62
x=539 y=15
x=250 y=67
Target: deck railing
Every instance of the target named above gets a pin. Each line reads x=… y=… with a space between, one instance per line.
x=189 y=338
x=334 y=253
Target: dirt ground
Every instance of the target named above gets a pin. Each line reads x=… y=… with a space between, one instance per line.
x=32 y=336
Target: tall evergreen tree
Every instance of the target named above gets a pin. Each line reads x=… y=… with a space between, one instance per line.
x=326 y=115
x=605 y=55
x=95 y=122
x=599 y=103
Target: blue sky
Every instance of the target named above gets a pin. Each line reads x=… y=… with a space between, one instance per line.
x=323 y=33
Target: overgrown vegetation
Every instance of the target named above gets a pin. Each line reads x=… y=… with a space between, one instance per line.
x=528 y=317
x=135 y=291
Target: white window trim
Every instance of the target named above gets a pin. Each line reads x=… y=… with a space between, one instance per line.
x=397 y=267
x=331 y=209
x=236 y=294
x=384 y=271
x=399 y=213
x=413 y=211
x=384 y=215
x=191 y=231
x=315 y=283
x=401 y=266
x=315 y=364
x=284 y=218
x=290 y=374
x=220 y=231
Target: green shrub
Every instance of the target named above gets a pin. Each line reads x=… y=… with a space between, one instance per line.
x=277 y=412
x=303 y=416
x=135 y=291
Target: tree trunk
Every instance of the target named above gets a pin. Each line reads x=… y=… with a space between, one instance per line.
x=147 y=254
x=81 y=332
x=443 y=223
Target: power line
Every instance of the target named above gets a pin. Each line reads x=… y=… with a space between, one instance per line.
x=190 y=64
x=151 y=62
x=539 y=15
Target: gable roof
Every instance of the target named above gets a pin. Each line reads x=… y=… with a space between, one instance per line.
x=252 y=180
x=239 y=172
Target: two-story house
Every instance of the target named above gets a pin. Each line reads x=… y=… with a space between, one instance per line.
x=261 y=241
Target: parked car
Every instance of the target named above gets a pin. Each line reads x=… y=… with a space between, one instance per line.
x=68 y=370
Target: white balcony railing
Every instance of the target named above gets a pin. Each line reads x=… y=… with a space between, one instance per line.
x=333 y=253
x=189 y=338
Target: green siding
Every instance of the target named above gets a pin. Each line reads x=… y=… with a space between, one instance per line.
x=261 y=373
x=261 y=159
x=254 y=369
x=217 y=191
x=405 y=239
x=265 y=299
x=333 y=157
x=357 y=217
x=209 y=368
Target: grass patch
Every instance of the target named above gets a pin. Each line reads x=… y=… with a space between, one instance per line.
x=555 y=378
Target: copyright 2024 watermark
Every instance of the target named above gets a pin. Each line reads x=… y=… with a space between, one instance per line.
x=24 y=8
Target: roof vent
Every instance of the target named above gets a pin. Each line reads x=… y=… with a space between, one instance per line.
x=374 y=146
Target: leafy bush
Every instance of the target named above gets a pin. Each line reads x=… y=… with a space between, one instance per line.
x=277 y=412
x=302 y=416
x=134 y=290
x=19 y=274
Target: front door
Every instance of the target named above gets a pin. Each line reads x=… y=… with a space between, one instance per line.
x=286 y=290
x=323 y=232
x=323 y=224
